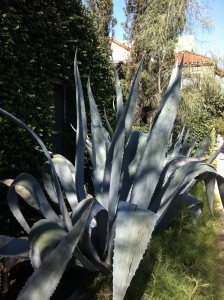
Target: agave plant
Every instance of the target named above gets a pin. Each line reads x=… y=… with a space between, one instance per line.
x=135 y=184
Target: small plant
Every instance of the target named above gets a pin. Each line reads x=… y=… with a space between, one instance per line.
x=135 y=183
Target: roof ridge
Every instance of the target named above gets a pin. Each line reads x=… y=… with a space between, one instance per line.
x=120 y=44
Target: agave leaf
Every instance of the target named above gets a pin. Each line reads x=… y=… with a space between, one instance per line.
x=97 y=230
x=14 y=247
x=22 y=192
x=177 y=145
x=43 y=237
x=210 y=181
x=48 y=182
x=213 y=156
x=220 y=183
x=116 y=151
x=81 y=134
x=177 y=184
x=109 y=128
x=43 y=282
x=187 y=148
x=168 y=170
x=47 y=154
x=153 y=158
x=182 y=203
x=30 y=183
x=119 y=98
x=203 y=146
x=100 y=144
x=66 y=174
x=82 y=260
x=130 y=245
x=132 y=155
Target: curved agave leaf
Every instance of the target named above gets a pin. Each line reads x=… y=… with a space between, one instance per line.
x=94 y=238
x=153 y=158
x=213 y=156
x=30 y=183
x=43 y=237
x=14 y=247
x=100 y=145
x=180 y=204
x=43 y=282
x=177 y=184
x=220 y=183
x=81 y=134
x=210 y=181
x=168 y=170
x=22 y=192
x=48 y=181
x=47 y=154
x=66 y=174
x=129 y=245
x=203 y=146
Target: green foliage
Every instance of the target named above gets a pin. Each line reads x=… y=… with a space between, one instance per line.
x=38 y=42
x=201 y=105
x=152 y=28
x=103 y=16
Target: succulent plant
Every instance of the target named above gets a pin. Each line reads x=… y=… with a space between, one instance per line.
x=135 y=181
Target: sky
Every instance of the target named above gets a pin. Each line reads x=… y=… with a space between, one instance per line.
x=210 y=43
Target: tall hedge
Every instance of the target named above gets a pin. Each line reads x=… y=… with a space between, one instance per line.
x=38 y=43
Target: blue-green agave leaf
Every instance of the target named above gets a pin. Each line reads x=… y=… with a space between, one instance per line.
x=100 y=145
x=153 y=158
x=43 y=237
x=22 y=192
x=213 y=156
x=95 y=237
x=48 y=181
x=130 y=245
x=177 y=145
x=109 y=128
x=177 y=183
x=116 y=151
x=183 y=203
x=203 y=146
x=81 y=259
x=220 y=183
x=14 y=247
x=45 y=279
x=168 y=170
x=66 y=174
x=132 y=155
x=47 y=154
x=30 y=183
x=210 y=181
x=187 y=148
x=119 y=98
x=81 y=133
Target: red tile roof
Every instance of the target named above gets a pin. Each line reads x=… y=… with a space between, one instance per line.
x=192 y=58
x=120 y=44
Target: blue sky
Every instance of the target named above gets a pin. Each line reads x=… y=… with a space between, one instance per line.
x=205 y=43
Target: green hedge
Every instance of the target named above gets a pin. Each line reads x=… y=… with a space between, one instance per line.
x=38 y=43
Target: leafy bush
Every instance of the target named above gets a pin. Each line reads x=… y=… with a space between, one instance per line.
x=38 y=42
x=136 y=180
